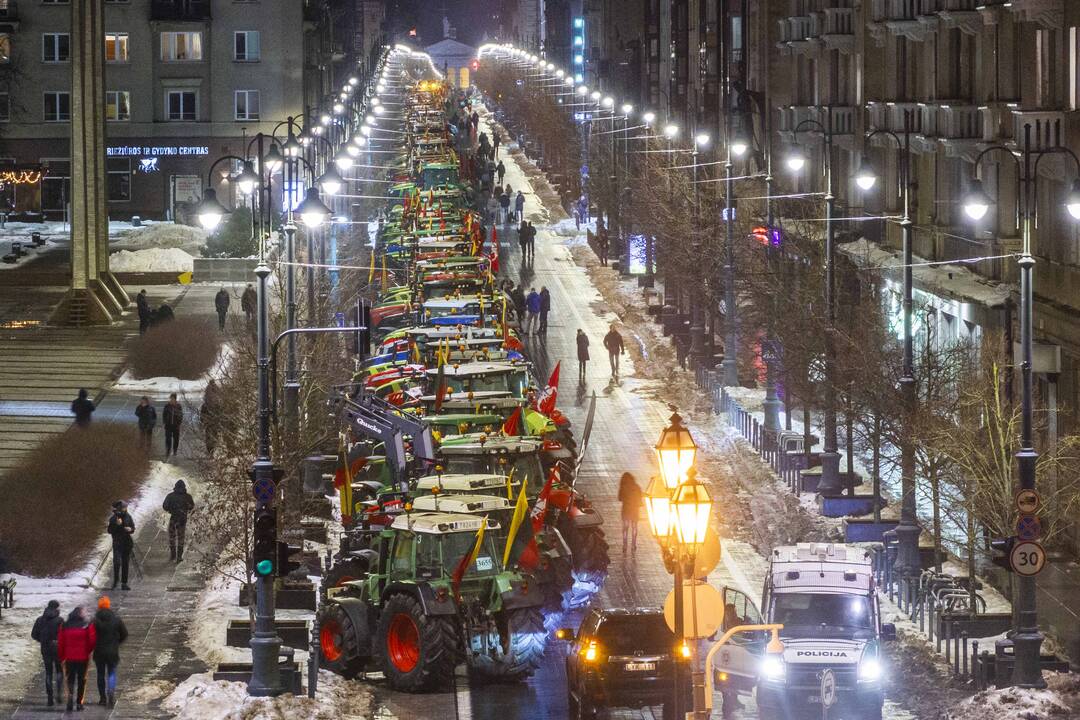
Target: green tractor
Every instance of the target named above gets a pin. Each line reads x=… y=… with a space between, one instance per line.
x=405 y=617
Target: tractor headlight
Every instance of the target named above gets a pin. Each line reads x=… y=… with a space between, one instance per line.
x=869 y=669
x=772 y=668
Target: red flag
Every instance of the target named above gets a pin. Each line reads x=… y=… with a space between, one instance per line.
x=540 y=508
x=354 y=467
x=545 y=404
x=512 y=426
x=494 y=258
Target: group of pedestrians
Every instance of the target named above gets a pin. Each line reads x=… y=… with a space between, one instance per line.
x=172 y=418
x=527 y=240
x=537 y=307
x=148 y=316
x=613 y=343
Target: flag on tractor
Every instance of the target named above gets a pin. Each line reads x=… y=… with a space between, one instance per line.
x=520 y=537
x=510 y=485
x=512 y=426
x=343 y=476
x=529 y=556
x=546 y=402
x=440 y=380
x=468 y=559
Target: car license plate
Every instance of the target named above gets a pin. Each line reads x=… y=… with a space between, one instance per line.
x=640 y=666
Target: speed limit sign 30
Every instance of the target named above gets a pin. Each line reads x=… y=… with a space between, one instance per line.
x=1027 y=558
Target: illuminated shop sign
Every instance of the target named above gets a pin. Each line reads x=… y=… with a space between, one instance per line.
x=156 y=151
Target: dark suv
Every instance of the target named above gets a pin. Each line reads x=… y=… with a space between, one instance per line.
x=622 y=658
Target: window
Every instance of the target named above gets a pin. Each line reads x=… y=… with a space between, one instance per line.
x=5 y=107
x=57 y=107
x=5 y=48
x=247 y=104
x=117 y=105
x=246 y=46
x=54 y=2
x=55 y=187
x=181 y=46
x=118 y=179
x=55 y=47
x=181 y=104
x=116 y=47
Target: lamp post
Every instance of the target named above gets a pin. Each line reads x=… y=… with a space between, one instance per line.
x=735 y=148
x=697 y=312
x=1027 y=638
x=907 y=556
x=830 y=458
x=679 y=509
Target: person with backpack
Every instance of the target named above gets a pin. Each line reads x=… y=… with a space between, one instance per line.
x=179 y=505
x=47 y=632
x=110 y=633
x=74 y=646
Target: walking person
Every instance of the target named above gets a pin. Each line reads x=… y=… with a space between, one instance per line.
x=221 y=304
x=532 y=304
x=615 y=347
x=602 y=244
x=47 y=631
x=179 y=505
x=517 y=295
x=147 y=420
x=142 y=305
x=110 y=633
x=523 y=238
x=82 y=408
x=582 y=354
x=248 y=301
x=530 y=242
x=504 y=204
x=519 y=206
x=496 y=140
x=172 y=416
x=122 y=529
x=500 y=171
x=74 y=645
x=630 y=497
x=545 y=308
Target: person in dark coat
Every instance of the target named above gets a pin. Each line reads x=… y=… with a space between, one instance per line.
x=545 y=308
x=614 y=343
x=532 y=304
x=221 y=304
x=147 y=420
x=179 y=505
x=110 y=633
x=74 y=646
x=523 y=238
x=504 y=204
x=519 y=206
x=47 y=631
x=630 y=497
x=495 y=142
x=172 y=417
x=500 y=171
x=582 y=354
x=530 y=242
x=82 y=408
x=122 y=529
x=143 y=306
x=518 y=296
x=248 y=300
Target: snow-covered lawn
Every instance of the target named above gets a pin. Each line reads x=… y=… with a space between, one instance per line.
x=152 y=260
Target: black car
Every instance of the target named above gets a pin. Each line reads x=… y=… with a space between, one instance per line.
x=622 y=658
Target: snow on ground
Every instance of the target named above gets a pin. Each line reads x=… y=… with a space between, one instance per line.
x=190 y=392
x=1060 y=700
x=152 y=260
x=157 y=235
x=19 y=655
x=200 y=697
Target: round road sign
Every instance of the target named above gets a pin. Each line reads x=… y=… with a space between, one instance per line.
x=828 y=688
x=1028 y=502
x=263 y=489
x=708 y=603
x=1028 y=527
x=1027 y=558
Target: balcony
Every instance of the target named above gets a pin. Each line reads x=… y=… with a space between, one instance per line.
x=180 y=10
x=888 y=115
x=796 y=34
x=1047 y=128
x=837 y=27
x=960 y=130
x=912 y=19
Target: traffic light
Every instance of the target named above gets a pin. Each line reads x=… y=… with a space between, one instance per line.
x=264 y=555
x=475 y=65
x=1001 y=549
x=285 y=552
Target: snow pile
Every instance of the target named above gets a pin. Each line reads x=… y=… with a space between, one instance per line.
x=152 y=260
x=159 y=235
x=200 y=697
x=568 y=228
x=1060 y=699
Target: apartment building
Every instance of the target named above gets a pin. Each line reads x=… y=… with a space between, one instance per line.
x=187 y=81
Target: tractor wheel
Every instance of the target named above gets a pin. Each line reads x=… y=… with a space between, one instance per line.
x=515 y=651
x=416 y=652
x=342 y=572
x=590 y=564
x=556 y=582
x=339 y=644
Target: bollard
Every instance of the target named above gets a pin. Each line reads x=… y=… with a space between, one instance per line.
x=922 y=614
x=956 y=648
x=963 y=640
x=931 y=614
x=945 y=629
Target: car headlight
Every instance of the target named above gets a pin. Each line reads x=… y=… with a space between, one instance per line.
x=869 y=669
x=772 y=667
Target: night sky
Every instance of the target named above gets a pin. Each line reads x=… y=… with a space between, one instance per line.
x=471 y=17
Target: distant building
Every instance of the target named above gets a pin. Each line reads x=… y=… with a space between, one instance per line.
x=453 y=58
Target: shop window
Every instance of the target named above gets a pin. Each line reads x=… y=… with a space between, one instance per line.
x=246 y=46
x=118 y=179
x=57 y=107
x=181 y=105
x=247 y=104
x=117 y=105
x=55 y=47
x=116 y=47
x=181 y=46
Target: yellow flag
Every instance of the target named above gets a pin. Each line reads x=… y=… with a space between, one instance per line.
x=371 y=269
x=479 y=543
x=521 y=511
x=510 y=484
x=385 y=280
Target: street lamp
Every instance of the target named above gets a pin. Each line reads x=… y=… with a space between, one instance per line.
x=670 y=131
x=331 y=181
x=676 y=452
x=312 y=211
x=1027 y=639
x=210 y=211
x=649 y=117
x=247 y=180
x=273 y=159
x=691 y=506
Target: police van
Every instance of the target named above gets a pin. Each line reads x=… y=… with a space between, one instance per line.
x=823 y=594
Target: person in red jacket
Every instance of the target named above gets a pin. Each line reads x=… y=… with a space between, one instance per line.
x=74 y=647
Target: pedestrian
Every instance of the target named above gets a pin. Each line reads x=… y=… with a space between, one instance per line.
x=162 y=315
x=520 y=302
x=532 y=305
x=523 y=238
x=221 y=304
x=496 y=140
x=143 y=307
x=630 y=497
x=519 y=206
x=82 y=408
x=509 y=190
x=614 y=343
x=46 y=631
x=530 y=242
x=500 y=170
x=248 y=301
x=122 y=529
x=545 y=308
x=147 y=420
x=74 y=646
x=492 y=210
x=582 y=354
x=504 y=203
x=172 y=416
x=179 y=505
x=602 y=245
x=110 y=633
